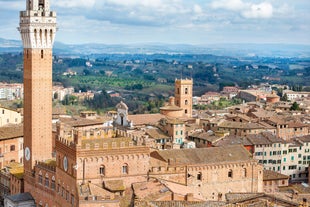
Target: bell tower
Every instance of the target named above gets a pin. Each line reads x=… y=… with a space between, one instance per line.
x=183 y=93
x=37 y=28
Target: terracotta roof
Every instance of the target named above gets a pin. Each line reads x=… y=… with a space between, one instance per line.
x=272 y=175
x=304 y=138
x=211 y=137
x=241 y=125
x=114 y=185
x=277 y=120
x=256 y=199
x=233 y=140
x=242 y=116
x=11 y=131
x=150 y=191
x=144 y=119
x=156 y=133
x=260 y=113
x=230 y=153
x=257 y=139
x=171 y=108
x=187 y=203
x=79 y=122
x=262 y=138
x=296 y=125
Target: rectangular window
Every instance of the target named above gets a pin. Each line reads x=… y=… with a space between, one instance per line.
x=47 y=182
x=292 y=167
x=53 y=185
x=125 y=169
x=72 y=199
x=40 y=179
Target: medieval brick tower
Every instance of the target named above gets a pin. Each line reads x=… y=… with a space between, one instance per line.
x=37 y=29
x=183 y=95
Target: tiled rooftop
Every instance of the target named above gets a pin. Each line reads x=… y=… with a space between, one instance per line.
x=230 y=153
x=11 y=131
x=272 y=175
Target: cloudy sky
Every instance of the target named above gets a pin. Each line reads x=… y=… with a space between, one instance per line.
x=171 y=21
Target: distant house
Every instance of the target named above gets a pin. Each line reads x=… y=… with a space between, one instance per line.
x=9 y=116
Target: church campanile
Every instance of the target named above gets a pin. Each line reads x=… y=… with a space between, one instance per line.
x=37 y=29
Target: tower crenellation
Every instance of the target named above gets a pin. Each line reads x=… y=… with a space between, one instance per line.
x=38 y=25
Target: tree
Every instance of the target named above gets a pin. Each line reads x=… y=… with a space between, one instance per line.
x=295 y=107
x=284 y=97
x=69 y=100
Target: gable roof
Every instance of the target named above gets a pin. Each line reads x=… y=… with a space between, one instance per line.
x=272 y=175
x=156 y=133
x=11 y=131
x=145 y=119
x=232 y=153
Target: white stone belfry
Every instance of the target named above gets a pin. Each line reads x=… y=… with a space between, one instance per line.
x=37 y=25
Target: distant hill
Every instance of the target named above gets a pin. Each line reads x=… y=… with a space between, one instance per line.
x=233 y=50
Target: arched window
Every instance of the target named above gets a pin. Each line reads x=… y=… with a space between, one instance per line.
x=186 y=90
x=125 y=169
x=40 y=179
x=47 y=181
x=41 y=36
x=53 y=185
x=185 y=111
x=51 y=35
x=102 y=170
x=230 y=173
x=42 y=54
x=186 y=102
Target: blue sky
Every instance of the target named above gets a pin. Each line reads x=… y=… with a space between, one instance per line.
x=171 y=21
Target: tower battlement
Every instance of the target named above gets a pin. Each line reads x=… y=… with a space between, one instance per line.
x=37 y=25
x=184 y=81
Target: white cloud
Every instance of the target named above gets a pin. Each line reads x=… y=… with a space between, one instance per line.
x=263 y=10
x=197 y=9
x=130 y=3
x=233 y=5
x=245 y=9
x=75 y=3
